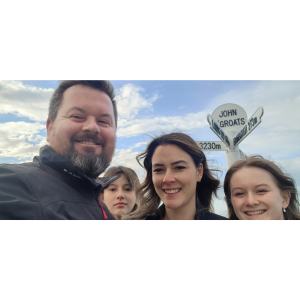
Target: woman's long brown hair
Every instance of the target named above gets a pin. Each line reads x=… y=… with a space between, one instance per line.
x=149 y=199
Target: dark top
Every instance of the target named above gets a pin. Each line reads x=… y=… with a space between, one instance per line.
x=200 y=215
x=50 y=188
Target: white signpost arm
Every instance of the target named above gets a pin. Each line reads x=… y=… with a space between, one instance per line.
x=218 y=131
x=252 y=123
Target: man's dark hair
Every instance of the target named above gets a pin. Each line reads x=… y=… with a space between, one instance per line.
x=101 y=85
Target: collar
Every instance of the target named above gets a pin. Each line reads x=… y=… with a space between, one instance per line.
x=52 y=159
x=160 y=212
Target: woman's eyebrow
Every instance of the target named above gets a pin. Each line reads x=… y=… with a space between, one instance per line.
x=174 y=163
x=179 y=161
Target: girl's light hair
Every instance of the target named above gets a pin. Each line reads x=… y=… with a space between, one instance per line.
x=149 y=200
x=284 y=183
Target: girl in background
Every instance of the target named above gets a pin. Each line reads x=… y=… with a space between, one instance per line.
x=120 y=196
x=257 y=189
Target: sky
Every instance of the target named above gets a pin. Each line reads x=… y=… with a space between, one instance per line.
x=150 y=107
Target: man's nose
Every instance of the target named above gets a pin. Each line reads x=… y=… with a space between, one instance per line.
x=91 y=125
x=169 y=178
x=251 y=200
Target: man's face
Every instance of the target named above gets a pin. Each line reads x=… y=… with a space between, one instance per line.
x=84 y=131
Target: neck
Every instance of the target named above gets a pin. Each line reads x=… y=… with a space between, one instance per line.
x=187 y=212
x=119 y=217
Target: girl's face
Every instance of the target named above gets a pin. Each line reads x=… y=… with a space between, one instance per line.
x=175 y=176
x=256 y=196
x=119 y=197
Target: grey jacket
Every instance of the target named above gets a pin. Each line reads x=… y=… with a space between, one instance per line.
x=49 y=188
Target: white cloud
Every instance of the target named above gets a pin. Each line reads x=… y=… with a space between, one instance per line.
x=162 y=124
x=24 y=100
x=130 y=102
x=20 y=139
x=127 y=158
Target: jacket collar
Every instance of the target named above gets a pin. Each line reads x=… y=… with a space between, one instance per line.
x=49 y=157
x=160 y=212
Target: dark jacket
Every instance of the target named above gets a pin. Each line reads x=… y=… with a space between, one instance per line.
x=200 y=215
x=49 y=188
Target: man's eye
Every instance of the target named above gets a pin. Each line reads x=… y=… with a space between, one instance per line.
x=77 y=117
x=103 y=122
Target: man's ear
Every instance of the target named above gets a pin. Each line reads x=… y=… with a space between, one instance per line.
x=101 y=196
x=49 y=127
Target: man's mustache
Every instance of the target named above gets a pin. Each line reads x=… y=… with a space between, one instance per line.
x=88 y=136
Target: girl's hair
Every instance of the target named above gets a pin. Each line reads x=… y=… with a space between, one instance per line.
x=130 y=176
x=150 y=200
x=284 y=183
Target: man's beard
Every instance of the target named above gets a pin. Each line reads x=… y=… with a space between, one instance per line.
x=88 y=163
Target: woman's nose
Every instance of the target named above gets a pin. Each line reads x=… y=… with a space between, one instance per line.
x=169 y=178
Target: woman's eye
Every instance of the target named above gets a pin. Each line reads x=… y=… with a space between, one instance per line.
x=262 y=191
x=180 y=168
x=157 y=170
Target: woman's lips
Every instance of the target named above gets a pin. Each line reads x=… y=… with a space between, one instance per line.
x=171 y=192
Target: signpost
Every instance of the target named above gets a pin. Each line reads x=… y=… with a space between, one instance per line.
x=230 y=123
x=212 y=146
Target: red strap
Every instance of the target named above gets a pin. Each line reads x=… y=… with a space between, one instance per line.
x=104 y=214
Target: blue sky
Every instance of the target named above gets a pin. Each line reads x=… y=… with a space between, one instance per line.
x=152 y=107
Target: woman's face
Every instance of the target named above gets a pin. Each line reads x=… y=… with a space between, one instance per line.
x=175 y=176
x=119 y=197
x=256 y=196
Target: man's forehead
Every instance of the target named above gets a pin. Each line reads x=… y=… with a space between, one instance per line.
x=80 y=90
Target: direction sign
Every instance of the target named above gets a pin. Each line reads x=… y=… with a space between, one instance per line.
x=243 y=155
x=212 y=146
x=252 y=123
x=230 y=117
x=218 y=131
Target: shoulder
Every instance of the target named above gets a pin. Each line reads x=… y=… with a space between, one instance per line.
x=205 y=215
x=17 y=197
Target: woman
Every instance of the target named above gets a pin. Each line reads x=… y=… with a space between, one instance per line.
x=177 y=175
x=256 y=189
x=120 y=196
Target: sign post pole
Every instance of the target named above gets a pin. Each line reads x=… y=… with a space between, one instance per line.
x=232 y=156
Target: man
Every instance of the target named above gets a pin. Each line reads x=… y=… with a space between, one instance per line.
x=61 y=183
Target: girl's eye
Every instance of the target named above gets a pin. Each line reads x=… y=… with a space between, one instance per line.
x=262 y=191
x=112 y=190
x=128 y=190
x=239 y=194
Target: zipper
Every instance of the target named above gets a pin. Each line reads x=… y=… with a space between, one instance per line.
x=103 y=212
